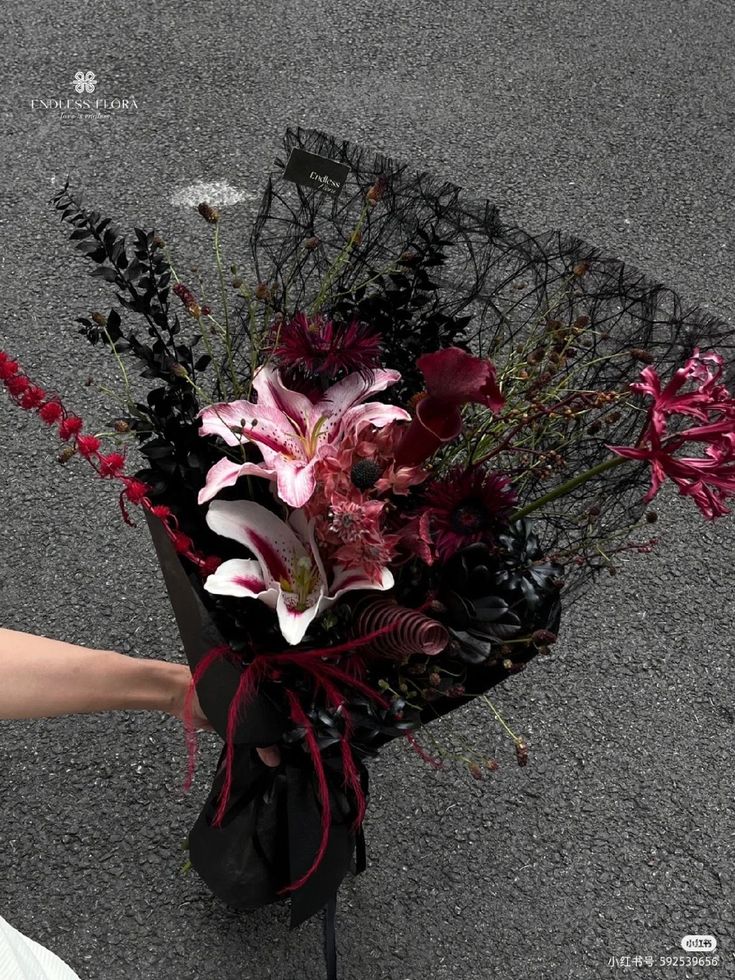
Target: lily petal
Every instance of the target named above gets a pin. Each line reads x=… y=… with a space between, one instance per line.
x=217 y=419
x=305 y=529
x=293 y=623
x=296 y=483
x=261 y=425
x=373 y=413
x=274 y=396
x=240 y=577
x=226 y=473
x=270 y=539
x=354 y=389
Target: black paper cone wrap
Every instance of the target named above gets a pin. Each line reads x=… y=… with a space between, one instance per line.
x=272 y=827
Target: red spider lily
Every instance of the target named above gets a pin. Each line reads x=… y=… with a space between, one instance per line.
x=669 y=400
x=709 y=479
x=453 y=379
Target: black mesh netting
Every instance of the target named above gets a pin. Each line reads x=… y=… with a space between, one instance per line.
x=431 y=266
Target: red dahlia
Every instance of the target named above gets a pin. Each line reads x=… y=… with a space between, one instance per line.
x=319 y=346
x=467 y=505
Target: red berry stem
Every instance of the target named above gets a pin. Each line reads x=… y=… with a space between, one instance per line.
x=50 y=408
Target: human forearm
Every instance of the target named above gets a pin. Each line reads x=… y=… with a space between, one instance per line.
x=40 y=678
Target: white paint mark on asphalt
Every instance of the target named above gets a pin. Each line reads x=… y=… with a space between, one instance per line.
x=217 y=192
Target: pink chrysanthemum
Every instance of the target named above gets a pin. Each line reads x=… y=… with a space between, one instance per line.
x=319 y=346
x=466 y=506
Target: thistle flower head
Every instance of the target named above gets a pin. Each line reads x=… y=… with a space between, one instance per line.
x=317 y=346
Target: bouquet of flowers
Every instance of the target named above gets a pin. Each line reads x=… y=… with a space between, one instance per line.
x=400 y=436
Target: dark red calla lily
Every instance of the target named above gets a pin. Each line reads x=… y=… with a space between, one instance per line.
x=453 y=378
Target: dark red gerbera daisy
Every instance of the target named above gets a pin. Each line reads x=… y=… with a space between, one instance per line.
x=318 y=346
x=467 y=505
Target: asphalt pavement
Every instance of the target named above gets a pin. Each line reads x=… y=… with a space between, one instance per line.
x=614 y=121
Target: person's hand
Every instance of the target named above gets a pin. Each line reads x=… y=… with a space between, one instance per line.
x=270 y=756
x=196 y=717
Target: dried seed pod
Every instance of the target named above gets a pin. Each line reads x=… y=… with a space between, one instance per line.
x=211 y=215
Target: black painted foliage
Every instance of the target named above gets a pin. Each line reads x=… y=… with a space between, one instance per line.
x=498 y=592
x=165 y=424
x=405 y=307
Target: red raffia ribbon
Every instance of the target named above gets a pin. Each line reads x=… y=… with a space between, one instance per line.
x=299 y=717
x=326 y=676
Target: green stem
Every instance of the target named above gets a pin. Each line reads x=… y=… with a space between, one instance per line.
x=119 y=361
x=205 y=338
x=492 y=707
x=204 y=335
x=567 y=487
x=121 y=401
x=339 y=263
x=225 y=312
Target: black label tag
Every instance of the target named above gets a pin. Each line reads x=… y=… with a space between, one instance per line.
x=311 y=170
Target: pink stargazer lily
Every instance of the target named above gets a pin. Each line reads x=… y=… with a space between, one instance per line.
x=292 y=432
x=287 y=573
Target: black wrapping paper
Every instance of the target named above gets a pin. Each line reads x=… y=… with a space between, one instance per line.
x=272 y=827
